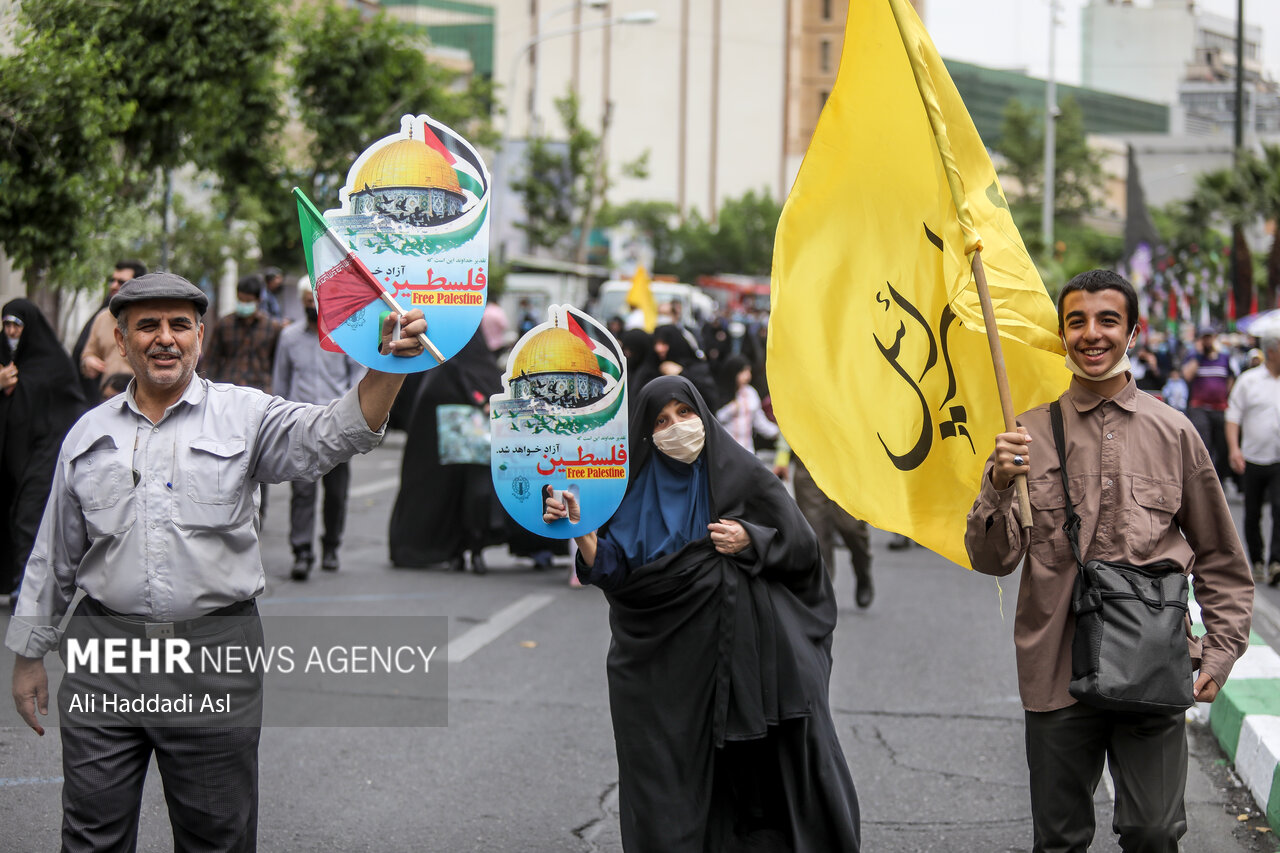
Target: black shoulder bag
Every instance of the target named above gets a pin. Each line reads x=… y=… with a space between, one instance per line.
x=1130 y=648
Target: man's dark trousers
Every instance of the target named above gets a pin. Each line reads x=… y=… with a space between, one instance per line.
x=1261 y=485
x=1211 y=424
x=210 y=773
x=302 y=509
x=1148 y=758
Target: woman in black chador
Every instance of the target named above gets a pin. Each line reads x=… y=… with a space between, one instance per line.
x=40 y=398
x=721 y=614
x=444 y=510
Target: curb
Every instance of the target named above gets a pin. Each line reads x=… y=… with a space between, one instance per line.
x=1245 y=718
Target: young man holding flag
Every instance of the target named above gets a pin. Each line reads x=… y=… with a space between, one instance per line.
x=1145 y=489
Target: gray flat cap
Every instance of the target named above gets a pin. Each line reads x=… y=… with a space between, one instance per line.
x=158 y=285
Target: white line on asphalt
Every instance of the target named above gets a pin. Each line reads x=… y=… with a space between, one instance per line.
x=373 y=488
x=475 y=639
x=31 y=780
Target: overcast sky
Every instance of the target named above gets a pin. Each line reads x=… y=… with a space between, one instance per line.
x=1015 y=33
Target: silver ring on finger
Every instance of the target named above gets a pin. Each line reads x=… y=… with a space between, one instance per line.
x=1019 y=461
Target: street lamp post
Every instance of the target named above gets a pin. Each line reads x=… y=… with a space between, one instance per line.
x=535 y=65
x=631 y=18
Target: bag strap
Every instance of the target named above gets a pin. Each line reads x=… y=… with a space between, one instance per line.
x=1072 y=525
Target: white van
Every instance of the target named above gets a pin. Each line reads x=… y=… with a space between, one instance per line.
x=695 y=306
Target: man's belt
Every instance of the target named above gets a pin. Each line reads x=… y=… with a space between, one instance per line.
x=141 y=627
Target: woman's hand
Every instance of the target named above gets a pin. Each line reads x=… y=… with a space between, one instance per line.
x=566 y=507
x=8 y=378
x=728 y=536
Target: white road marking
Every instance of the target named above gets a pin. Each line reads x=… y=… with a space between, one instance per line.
x=373 y=488
x=30 y=780
x=504 y=620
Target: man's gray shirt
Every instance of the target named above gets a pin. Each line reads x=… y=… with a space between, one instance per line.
x=159 y=520
x=306 y=372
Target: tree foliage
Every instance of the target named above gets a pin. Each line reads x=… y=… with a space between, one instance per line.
x=1077 y=170
x=560 y=182
x=353 y=78
x=99 y=100
x=739 y=241
x=61 y=106
x=655 y=220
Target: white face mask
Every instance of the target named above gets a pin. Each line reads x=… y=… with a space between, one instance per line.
x=1120 y=366
x=682 y=440
x=13 y=343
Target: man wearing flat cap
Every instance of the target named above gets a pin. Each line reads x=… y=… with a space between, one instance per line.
x=151 y=515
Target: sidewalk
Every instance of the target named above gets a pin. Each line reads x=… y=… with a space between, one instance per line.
x=1245 y=717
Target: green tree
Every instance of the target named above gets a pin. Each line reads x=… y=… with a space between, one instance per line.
x=107 y=98
x=565 y=183
x=656 y=220
x=1260 y=176
x=353 y=78
x=1077 y=170
x=61 y=108
x=740 y=241
x=1022 y=144
x=1229 y=195
x=560 y=182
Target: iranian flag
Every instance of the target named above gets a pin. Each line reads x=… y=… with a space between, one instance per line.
x=343 y=284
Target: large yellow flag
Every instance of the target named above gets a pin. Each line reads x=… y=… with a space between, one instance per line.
x=878 y=362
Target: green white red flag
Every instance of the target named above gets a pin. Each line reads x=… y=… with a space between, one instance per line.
x=342 y=283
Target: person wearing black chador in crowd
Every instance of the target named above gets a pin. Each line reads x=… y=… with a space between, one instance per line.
x=676 y=355
x=721 y=614
x=40 y=398
x=444 y=510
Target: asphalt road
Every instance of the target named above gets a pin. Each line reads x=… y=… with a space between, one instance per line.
x=923 y=691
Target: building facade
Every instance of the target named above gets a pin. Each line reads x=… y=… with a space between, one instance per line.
x=1174 y=53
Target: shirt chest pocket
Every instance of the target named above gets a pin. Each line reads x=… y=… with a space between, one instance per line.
x=214 y=472
x=102 y=479
x=1151 y=515
x=1049 y=544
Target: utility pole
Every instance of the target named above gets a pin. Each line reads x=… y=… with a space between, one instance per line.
x=1050 y=116
x=1236 y=230
x=1239 y=137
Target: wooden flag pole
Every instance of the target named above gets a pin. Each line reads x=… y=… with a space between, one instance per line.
x=1002 y=379
x=386 y=297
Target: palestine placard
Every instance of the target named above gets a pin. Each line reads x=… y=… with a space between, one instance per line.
x=411 y=231
x=561 y=423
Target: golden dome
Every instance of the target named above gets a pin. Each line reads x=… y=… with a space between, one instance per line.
x=555 y=351
x=407 y=163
